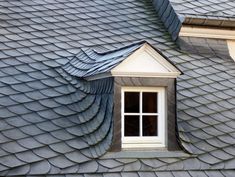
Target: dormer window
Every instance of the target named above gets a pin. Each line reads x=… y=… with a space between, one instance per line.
x=143 y=117
x=144 y=93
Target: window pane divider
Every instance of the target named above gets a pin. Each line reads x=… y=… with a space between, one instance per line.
x=139 y=114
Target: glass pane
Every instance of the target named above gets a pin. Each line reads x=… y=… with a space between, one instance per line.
x=150 y=126
x=131 y=126
x=149 y=102
x=131 y=102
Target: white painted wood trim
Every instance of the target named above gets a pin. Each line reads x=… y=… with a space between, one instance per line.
x=163 y=67
x=148 y=141
x=139 y=74
x=231 y=48
x=170 y=70
x=214 y=33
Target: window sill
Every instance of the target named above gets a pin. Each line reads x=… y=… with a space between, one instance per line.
x=143 y=145
x=146 y=153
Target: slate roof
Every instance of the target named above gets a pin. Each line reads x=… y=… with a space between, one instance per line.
x=209 y=12
x=195 y=45
x=56 y=124
x=168 y=16
x=88 y=62
x=209 y=8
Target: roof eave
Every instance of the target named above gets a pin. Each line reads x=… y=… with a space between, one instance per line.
x=223 y=22
x=114 y=74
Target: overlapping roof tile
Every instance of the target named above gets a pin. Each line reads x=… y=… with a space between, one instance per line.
x=89 y=63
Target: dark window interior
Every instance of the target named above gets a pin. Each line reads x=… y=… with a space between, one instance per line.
x=132 y=122
x=132 y=102
x=149 y=126
x=132 y=125
x=149 y=102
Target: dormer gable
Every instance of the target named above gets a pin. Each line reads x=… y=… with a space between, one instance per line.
x=145 y=62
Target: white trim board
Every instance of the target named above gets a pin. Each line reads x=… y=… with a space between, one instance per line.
x=203 y=32
x=145 y=62
x=159 y=141
x=231 y=48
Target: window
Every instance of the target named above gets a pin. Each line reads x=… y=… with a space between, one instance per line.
x=143 y=117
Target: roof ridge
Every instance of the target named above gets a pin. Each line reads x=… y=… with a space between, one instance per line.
x=121 y=48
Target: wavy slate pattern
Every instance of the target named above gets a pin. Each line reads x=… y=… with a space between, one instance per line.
x=53 y=123
x=89 y=62
x=56 y=127
x=210 y=173
x=206 y=120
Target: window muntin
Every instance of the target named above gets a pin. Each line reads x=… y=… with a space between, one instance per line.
x=143 y=117
x=140 y=111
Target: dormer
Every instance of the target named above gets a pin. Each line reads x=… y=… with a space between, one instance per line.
x=144 y=93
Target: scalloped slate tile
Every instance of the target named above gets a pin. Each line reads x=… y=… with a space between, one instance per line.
x=14 y=134
x=112 y=175
x=110 y=163
x=29 y=143
x=61 y=162
x=154 y=163
x=90 y=166
x=61 y=147
x=13 y=147
x=28 y=157
x=11 y=161
x=197 y=174
x=77 y=157
x=42 y=167
x=164 y=174
x=19 y=170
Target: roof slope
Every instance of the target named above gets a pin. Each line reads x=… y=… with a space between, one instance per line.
x=55 y=123
x=168 y=16
x=215 y=9
x=89 y=62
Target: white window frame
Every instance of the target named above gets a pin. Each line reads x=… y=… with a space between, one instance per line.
x=146 y=141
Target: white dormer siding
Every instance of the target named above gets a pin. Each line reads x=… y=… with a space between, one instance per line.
x=145 y=62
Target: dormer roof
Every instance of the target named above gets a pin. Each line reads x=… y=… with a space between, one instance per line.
x=125 y=61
